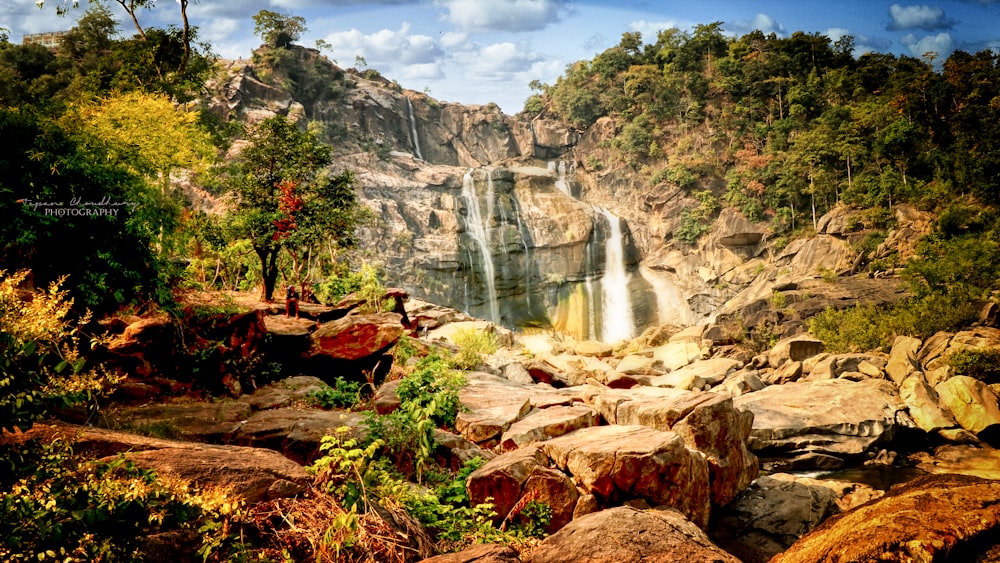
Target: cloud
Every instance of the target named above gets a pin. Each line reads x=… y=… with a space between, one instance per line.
x=763 y=22
x=941 y=44
x=504 y=15
x=385 y=47
x=927 y=18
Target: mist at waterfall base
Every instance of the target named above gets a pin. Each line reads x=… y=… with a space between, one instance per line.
x=590 y=291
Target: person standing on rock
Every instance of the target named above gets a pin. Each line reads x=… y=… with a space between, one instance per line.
x=291 y=302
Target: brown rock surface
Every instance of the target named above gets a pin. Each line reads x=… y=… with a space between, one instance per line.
x=939 y=518
x=626 y=534
x=356 y=336
x=620 y=463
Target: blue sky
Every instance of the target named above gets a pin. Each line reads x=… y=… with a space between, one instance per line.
x=478 y=51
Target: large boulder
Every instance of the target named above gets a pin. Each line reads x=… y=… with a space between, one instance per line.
x=836 y=416
x=628 y=534
x=621 y=463
x=940 y=518
x=356 y=336
x=973 y=404
x=923 y=405
x=720 y=431
x=547 y=423
x=771 y=515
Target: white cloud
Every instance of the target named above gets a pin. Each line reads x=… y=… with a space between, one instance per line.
x=385 y=48
x=928 y=18
x=762 y=22
x=504 y=15
x=940 y=44
x=454 y=40
x=497 y=61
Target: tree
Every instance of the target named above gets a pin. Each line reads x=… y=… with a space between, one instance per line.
x=284 y=198
x=278 y=30
x=71 y=211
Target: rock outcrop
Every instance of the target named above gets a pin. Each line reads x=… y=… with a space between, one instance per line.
x=943 y=518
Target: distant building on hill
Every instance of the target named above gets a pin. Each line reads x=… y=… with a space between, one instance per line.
x=51 y=40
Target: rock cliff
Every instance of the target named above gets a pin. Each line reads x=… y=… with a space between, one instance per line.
x=512 y=219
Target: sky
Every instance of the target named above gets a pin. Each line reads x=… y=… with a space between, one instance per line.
x=481 y=51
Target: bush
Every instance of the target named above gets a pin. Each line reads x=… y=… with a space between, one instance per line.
x=472 y=346
x=865 y=328
x=342 y=394
x=981 y=363
x=61 y=508
x=40 y=362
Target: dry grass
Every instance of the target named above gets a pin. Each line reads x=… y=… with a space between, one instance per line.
x=313 y=528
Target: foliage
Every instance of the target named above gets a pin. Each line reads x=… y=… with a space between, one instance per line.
x=472 y=345
x=286 y=201
x=428 y=400
x=980 y=363
x=63 y=197
x=41 y=364
x=278 y=30
x=63 y=509
x=863 y=328
x=342 y=394
x=694 y=221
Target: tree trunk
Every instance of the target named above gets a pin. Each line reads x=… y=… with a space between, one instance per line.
x=268 y=272
x=186 y=38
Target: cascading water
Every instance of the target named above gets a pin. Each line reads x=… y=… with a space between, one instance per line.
x=617 y=322
x=479 y=232
x=413 y=129
x=561 y=183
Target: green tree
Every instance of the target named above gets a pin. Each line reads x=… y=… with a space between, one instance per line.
x=285 y=198
x=278 y=30
x=71 y=210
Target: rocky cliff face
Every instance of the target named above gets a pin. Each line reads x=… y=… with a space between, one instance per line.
x=502 y=217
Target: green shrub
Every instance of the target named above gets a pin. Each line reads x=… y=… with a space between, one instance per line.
x=472 y=346
x=980 y=363
x=58 y=507
x=342 y=394
x=865 y=328
x=428 y=400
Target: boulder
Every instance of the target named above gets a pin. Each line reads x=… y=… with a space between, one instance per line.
x=294 y=432
x=554 y=488
x=835 y=417
x=635 y=364
x=489 y=409
x=453 y=451
x=517 y=373
x=795 y=348
x=621 y=463
x=940 y=518
x=284 y=393
x=697 y=375
x=923 y=404
x=673 y=355
x=250 y=474
x=503 y=478
x=903 y=358
x=356 y=336
x=547 y=423
x=771 y=515
x=720 y=431
x=478 y=553
x=740 y=383
x=593 y=348
x=193 y=421
x=628 y=534
x=973 y=404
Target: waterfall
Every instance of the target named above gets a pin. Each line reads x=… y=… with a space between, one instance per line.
x=479 y=232
x=413 y=129
x=591 y=302
x=561 y=183
x=617 y=322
